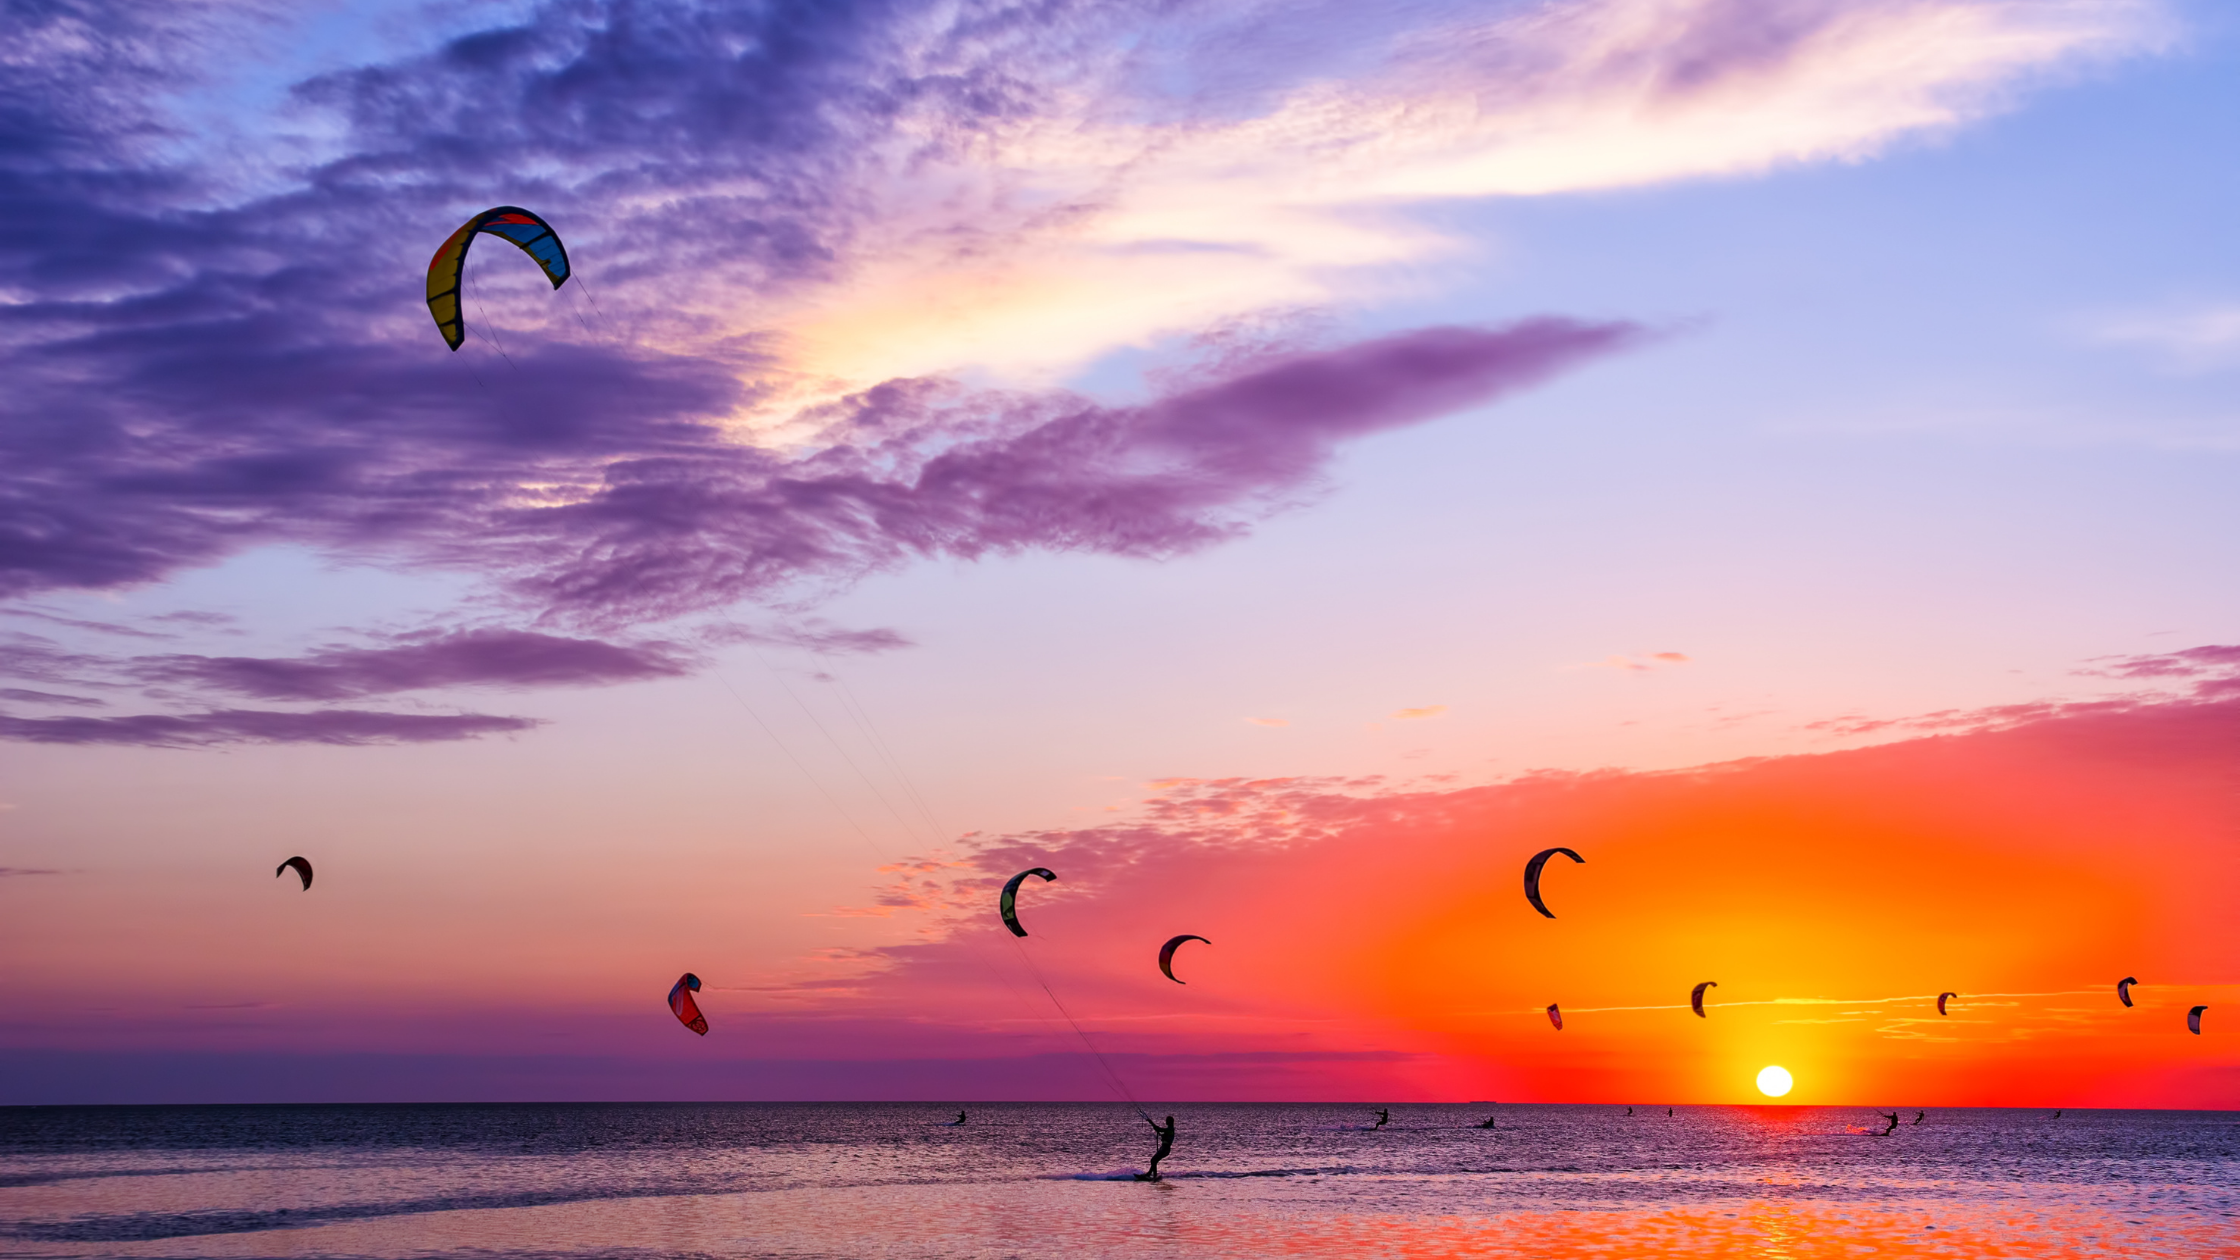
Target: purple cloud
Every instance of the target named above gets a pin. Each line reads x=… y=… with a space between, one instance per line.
x=193 y=372
x=490 y=657
x=2209 y=660
x=265 y=371
x=255 y=726
x=2212 y=670
x=920 y=468
x=465 y=658
x=103 y=627
x=23 y=696
x=40 y=659
x=815 y=637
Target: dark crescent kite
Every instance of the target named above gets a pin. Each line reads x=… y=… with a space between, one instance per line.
x=1532 y=877
x=1695 y=999
x=1166 y=954
x=687 y=1010
x=303 y=868
x=1555 y=1013
x=1010 y=903
x=2123 y=989
x=2193 y=1020
x=1940 y=1000
x=525 y=228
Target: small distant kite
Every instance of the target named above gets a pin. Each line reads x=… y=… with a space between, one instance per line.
x=2193 y=1020
x=1166 y=954
x=1010 y=903
x=1940 y=1000
x=1555 y=1013
x=2123 y=989
x=302 y=868
x=1695 y=999
x=1532 y=877
x=687 y=1010
x=523 y=227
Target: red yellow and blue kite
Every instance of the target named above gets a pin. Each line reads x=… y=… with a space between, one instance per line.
x=523 y=227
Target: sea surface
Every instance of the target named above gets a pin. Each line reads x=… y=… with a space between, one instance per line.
x=896 y=1180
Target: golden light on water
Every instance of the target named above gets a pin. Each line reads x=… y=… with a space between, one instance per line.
x=1773 y=1082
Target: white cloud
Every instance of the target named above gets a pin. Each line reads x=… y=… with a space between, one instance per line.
x=2192 y=339
x=1090 y=229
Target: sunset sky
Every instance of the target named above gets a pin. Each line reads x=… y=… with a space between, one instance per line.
x=1277 y=465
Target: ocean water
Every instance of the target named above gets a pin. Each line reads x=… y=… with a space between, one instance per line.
x=894 y=1180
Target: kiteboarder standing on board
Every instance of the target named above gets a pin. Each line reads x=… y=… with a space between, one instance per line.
x=1166 y=1144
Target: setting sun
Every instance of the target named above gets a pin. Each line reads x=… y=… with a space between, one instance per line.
x=1773 y=1082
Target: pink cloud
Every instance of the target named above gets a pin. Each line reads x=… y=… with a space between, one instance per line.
x=1640 y=661
x=1748 y=872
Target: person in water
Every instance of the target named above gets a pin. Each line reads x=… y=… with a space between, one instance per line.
x=1382 y=1116
x=1166 y=1144
x=1917 y=1116
x=1488 y=1123
x=1629 y=1111
x=1892 y=1117
x=959 y=1119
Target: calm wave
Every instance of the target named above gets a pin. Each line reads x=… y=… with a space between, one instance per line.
x=880 y=1180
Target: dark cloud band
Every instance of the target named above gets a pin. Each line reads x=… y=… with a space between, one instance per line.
x=255 y=726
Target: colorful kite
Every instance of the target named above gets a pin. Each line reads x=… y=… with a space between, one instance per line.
x=687 y=1010
x=446 y=270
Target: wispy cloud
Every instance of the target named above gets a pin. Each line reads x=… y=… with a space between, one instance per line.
x=2213 y=665
x=427 y=661
x=2207 y=673
x=257 y=726
x=22 y=695
x=462 y=658
x=1283 y=176
x=1639 y=662
x=1410 y=715
x=2188 y=339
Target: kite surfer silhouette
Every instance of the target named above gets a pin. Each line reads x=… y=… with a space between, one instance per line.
x=1166 y=1144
